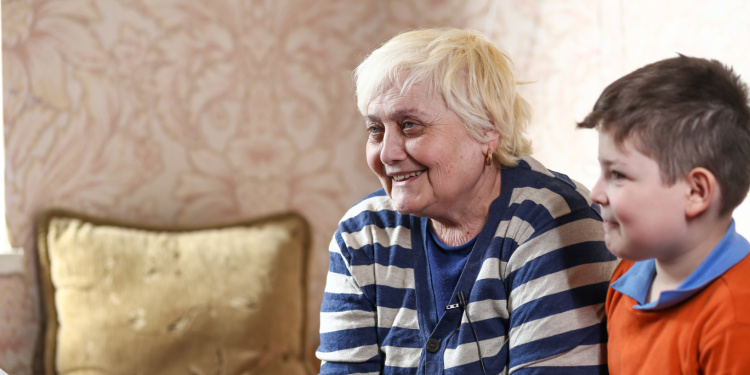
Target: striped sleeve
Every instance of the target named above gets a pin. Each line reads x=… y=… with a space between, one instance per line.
x=557 y=281
x=348 y=330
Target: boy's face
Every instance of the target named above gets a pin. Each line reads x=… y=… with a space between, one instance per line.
x=643 y=217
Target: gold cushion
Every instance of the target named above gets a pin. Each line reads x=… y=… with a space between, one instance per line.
x=121 y=299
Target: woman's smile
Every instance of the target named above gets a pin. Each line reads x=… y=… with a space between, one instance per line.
x=406 y=176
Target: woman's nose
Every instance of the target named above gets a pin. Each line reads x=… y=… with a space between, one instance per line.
x=597 y=192
x=393 y=147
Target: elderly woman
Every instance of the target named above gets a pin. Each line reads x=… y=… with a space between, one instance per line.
x=473 y=258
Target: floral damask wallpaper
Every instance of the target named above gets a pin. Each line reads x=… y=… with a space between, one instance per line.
x=180 y=112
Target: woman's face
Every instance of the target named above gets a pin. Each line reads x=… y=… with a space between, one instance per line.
x=420 y=150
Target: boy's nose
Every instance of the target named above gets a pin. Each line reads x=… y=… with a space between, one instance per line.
x=597 y=193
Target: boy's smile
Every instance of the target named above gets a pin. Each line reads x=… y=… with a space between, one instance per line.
x=643 y=216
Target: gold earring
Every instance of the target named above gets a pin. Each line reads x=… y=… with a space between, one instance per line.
x=488 y=160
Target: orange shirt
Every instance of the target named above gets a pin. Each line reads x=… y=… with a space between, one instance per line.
x=709 y=333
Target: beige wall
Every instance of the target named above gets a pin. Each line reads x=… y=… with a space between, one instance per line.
x=198 y=112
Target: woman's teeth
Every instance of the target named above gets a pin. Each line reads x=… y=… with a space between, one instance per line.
x=405 y=176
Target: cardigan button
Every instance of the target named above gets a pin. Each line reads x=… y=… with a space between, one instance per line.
x=433 y=345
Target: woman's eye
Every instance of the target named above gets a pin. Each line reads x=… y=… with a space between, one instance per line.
x=411 y=127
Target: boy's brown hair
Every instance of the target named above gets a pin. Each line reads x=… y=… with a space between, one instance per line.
x=684 y=112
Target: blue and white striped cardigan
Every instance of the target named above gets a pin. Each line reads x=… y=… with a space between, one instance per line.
x=535 y=283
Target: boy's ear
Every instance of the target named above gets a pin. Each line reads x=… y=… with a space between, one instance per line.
x=703 y=190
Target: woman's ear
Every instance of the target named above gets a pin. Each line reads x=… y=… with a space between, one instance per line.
x=492 y=138
x=704 y=191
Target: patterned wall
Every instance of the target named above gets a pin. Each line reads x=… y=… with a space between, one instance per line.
x=180 y=112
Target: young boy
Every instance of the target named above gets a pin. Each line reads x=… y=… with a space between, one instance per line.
x=674 y=148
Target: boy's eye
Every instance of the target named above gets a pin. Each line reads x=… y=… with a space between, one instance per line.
x=616 y=175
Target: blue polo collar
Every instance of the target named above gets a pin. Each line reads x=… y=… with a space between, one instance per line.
x=636 y=281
